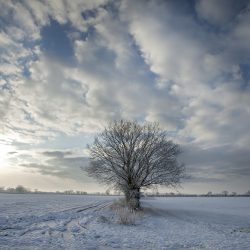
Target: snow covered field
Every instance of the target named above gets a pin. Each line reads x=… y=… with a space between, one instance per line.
x=86 y=222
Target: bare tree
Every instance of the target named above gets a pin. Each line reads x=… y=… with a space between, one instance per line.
x=225 y=193
x=131 y=156
x=21 y=189
x=209 y=193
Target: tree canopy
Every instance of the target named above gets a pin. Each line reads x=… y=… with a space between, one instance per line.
x=131 y=156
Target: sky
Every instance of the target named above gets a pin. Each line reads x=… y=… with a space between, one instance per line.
x=67 y=68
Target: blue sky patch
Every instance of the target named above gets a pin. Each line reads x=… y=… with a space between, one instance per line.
x=56 y=42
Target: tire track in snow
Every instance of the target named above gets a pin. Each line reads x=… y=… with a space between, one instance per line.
x=74 y=227
x=51 y=227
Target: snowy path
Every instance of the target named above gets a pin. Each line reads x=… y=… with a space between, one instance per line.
x=50 y=227
x=85 y=222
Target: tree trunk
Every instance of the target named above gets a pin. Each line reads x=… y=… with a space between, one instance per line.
x=132 y=196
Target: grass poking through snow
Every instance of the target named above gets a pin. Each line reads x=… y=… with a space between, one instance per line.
x=125 y=215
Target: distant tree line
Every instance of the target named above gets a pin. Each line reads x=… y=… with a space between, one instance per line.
x=208 y=194
x=23 y=190
x=17 y=190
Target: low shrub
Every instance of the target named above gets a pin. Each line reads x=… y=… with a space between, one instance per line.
x=125 y=214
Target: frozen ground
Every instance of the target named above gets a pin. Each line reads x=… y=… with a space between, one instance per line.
x=86 y=222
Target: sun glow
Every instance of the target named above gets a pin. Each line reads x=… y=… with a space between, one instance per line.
x=4 y=154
